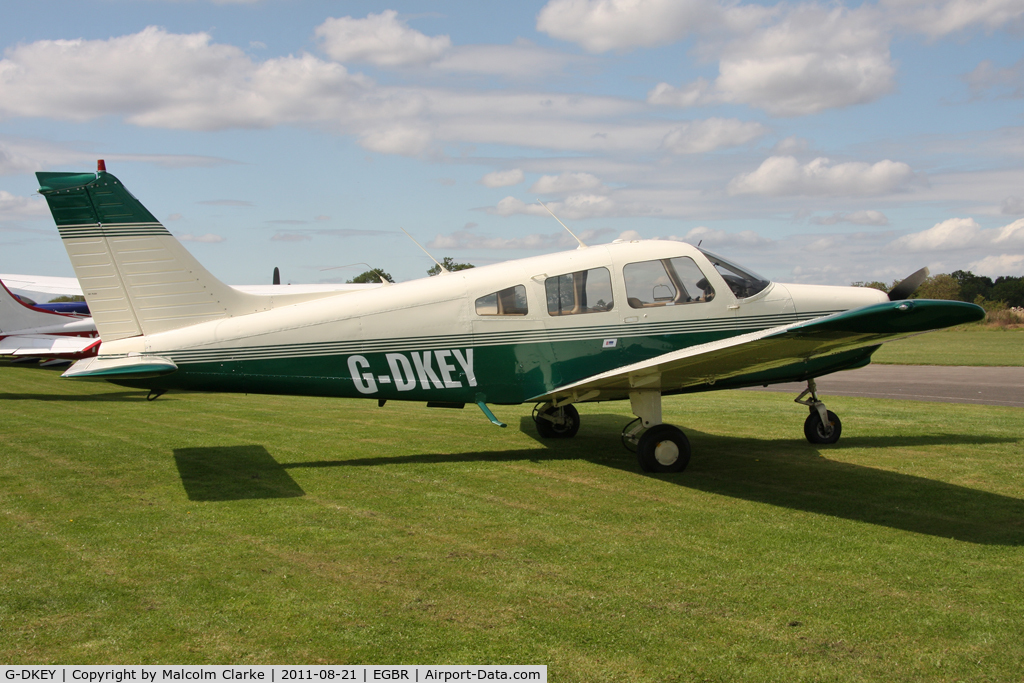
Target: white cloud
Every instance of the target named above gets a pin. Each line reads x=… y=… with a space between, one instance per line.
x=783 y=175
x=14 y=163
x=943 y=17
x=381 y=39
x=602 y=25
x=565 y=183
x=790 y=60
x=954 y=233
x=715 y=239
x=790 y=145
x=961 y=234
x=463 y=239
x=520 y=61
x=999 y=265
x=694 y=137
x=19 y=157
x=1012 y=234
x=208 y=238
x=512 y=176
x=158 y=79
x=698 y=92
x=1008 y=81
x=810 y=60
x=856 y=217
x=13 y=207
x=397 y=139
x=290 y=237
x=1013 y=206
x=575 y=207
x=155 y=78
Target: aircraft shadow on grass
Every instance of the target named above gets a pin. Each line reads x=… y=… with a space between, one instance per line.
x=792 y=474
x=129 y=396
x=222 y=473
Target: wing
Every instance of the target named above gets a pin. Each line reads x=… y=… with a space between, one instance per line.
x=47 y=345
x=771 y=349
x=42 y=287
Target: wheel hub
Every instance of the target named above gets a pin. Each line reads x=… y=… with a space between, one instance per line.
x=666 y=452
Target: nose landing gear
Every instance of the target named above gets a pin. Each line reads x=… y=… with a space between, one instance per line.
x=822 y=426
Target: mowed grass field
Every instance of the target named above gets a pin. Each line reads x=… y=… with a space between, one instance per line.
x=251 y=529
x=965 y=345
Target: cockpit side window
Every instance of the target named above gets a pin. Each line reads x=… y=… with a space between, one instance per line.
x=743 y=283
x=665 y=282
x=585 y=291
x=509 y=301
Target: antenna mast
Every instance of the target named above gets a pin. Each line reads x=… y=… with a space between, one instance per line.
x=443 y=269
x=582 y=246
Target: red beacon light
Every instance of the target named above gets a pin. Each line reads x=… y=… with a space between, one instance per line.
x=101 y=166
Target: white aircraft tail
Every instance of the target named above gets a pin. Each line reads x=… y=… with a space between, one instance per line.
x=136 y=277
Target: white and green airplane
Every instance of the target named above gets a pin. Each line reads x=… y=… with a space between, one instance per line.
x=633 y=320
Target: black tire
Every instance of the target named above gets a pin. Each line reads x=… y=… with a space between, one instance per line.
x=663 y=448
x=551 y=430
x=814 y=430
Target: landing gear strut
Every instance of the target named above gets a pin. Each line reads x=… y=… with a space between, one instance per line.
x=663 y=448
x=822 y=426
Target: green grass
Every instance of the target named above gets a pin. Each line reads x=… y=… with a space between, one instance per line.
x=967 y=345
x=248 y=529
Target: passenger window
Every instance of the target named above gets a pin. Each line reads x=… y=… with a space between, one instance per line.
x=585 y=291
x=665 y=282
x=509 y=301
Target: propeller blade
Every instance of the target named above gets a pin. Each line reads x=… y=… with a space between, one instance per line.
x=908 y=286
x=277 y=276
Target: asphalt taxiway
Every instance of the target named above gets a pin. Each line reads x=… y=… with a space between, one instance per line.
x=998 y=386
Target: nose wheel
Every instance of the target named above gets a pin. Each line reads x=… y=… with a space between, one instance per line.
x=822 y=426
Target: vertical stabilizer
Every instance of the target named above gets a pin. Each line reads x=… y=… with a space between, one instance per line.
x=136 y=276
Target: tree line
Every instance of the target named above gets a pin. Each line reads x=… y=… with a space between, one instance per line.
x=963 y=285
x=378 y=274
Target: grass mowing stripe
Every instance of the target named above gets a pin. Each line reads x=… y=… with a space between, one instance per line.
x=214 y=528
x=967 y=345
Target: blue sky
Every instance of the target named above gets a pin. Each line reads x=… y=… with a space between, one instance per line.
x=813 y=142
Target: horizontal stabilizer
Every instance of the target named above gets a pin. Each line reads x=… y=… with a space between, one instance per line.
x=125 y=367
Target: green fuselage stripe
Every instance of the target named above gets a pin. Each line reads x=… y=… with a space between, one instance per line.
x=433 y=369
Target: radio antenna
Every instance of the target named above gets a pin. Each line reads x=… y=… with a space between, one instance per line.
x=443 y=269
x=582 y=246
x=360 y=263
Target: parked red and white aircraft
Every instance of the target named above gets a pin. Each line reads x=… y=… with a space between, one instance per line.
x=29 y=331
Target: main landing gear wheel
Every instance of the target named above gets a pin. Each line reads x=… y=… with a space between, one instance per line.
x=556 y=423
x=818 y=432
x=663 y=448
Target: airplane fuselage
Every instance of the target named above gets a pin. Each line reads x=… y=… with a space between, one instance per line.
x=449 y=339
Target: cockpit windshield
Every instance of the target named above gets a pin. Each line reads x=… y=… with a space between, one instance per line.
x=744 y=283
